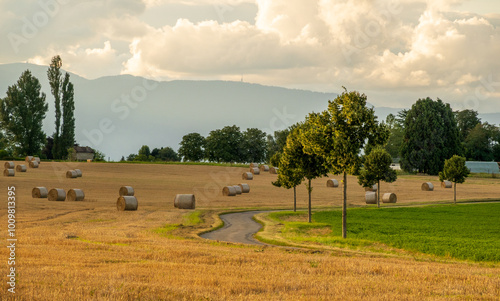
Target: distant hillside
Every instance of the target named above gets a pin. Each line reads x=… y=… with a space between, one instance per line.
x=119 y=114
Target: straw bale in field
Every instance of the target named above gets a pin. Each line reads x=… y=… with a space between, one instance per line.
x=39 y=193
x=76 y=195
x=185 y=201
x=127 y=203
x=57 y=194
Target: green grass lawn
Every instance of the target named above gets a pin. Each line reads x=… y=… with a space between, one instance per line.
x=468 y=232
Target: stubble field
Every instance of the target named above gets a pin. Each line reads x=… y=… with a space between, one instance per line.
x=88 y=250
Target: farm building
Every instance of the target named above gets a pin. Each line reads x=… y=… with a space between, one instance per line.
x=83 y=153
x=482 y=167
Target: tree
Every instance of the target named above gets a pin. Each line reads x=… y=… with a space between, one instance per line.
x=253 y=145
x=63 y=92
x=99 y=156
x=376 y=168
x=395 y=126
x=144 y=150
x=295 y=165
x=54 y=75
x=192 y=147
x=481 y=142
x=276 y=143
x=22 y=112
x=47 y=150
x=340 y=133
x=131 y=157
x=430 y=136
x=168 y=154
x=466 y=121
x=223 y=145
x=455 y=171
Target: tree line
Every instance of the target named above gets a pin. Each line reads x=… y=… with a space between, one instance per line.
x=24 y=108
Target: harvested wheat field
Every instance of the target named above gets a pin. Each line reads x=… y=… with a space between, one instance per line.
x=89 y=250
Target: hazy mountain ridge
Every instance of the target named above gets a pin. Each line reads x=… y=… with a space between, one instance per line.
x=119 y=114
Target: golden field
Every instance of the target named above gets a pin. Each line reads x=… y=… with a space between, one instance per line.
x=90 y=251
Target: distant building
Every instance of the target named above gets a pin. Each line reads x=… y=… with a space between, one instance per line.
x=482 y=167
x=84 y=153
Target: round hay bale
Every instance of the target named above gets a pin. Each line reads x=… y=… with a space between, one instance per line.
x=254 y=165
x=37 y=159
x=9 y=172
x=389 y=198
x=332 y=183
x=245 y=188
x=238 y=189
x=9 y=165
x=264 y=168
x=126 y=190
x=78 y=173
x=373 y=188
x=57 y=194
x=76 y=195
x=247 y=176
x=185 y=201
x=127 y=203
x=39 y=193
x=427 y=186
x=255 y=171
x=371 y=197
x=273 y=170
x=21 y=168
x=28 y=159
x=446 y=184
x=71 y=174
x=229 y=191
x=33 y=164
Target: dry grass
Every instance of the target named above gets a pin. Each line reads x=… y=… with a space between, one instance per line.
x=90 y=251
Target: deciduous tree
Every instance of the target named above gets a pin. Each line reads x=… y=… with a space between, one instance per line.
x=455 y=171
x=192 y=147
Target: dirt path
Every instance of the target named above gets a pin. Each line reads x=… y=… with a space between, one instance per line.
x=238 y=227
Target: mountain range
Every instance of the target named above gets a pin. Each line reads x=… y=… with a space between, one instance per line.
x=118 y=114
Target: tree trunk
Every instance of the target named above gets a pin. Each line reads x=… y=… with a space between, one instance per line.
x=378 y=193
x=294 y=198
x=344 y=209
x=309 y=190
x=455 y=193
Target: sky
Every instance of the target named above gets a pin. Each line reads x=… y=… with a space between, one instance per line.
x=393 y=51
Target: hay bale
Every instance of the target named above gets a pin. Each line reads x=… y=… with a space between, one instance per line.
x=127 y=203
x=126 y=190
x=255 y=171
x=33 y=164
x=21 y=168
x=427 y=186
x=28 y=159
x=446 y=184
x=9 y=173
x=39 y=193
x=252 y=165
x=71 y=174
x=389 y=198
x=78 y=173
x=57 y=194
x=332 y=183
x=238 y=189
x=264 y=168
x=185 y=201
x=373 y=188
x=9 y=165
x=245 y=188
x=76 y=195
x=273 y=170
x=247 y=176
x=36 y=159
x=229 y=191
x=371 y=197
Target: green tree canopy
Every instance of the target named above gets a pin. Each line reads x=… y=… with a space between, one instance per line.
x=466 y=121
x=275 y=144
x=192 y=147
x=455 y=171
x=168 y=154
x=376 y=168
x=430 y=136
x=223 y=145
x=395 y=140
x=481 y=142
x=22 y=113
x=340 y=133
x=253 y=145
